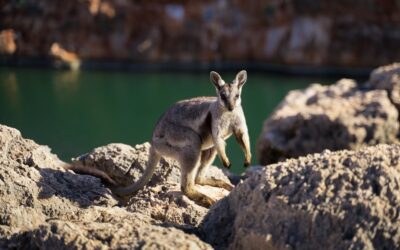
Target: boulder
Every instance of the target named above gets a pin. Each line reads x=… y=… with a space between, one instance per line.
x=338 y=116
x=333 y=200
x=35 y=187
x=106 y=229
x=387 y=78
x=125 y=164
x=7 y=42
x=43 y=205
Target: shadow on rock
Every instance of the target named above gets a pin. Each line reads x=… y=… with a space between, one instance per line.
x=297 y=135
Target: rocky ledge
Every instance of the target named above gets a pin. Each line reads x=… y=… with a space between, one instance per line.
x=341 y=200
x=44 y=206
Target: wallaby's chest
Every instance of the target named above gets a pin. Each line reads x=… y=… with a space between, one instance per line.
x=223 y=124
x=215 y=124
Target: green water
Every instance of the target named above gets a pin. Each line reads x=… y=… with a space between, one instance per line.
x=74 y=112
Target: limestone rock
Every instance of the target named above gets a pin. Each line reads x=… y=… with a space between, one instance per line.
x=126 y=164
x=65 y=57
x=339 y=116
x=108 y=229
x=34 y=186
x=7 y=42
x=44 y=206
x=333 y=200
x=387 y=78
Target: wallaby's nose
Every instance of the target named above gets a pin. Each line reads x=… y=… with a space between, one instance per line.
x=230 y=108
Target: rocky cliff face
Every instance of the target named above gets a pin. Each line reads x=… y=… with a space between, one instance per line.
x=334 y=33
x=344 y=115
x=44 y=206
x=332 y=200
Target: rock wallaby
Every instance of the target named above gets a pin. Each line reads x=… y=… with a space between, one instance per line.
x=192 y=132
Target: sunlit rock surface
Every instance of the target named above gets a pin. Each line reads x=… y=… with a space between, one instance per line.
x=43 y=205
x=332 y=200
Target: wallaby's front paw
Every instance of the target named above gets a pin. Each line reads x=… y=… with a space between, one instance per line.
x=247 y=162
x=228 y=186
x=227 y=164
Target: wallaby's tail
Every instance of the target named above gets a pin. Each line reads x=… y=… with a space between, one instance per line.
x=79 y=168
x=154 y=158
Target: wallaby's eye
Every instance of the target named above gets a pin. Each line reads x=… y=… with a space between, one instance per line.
x=237 y=96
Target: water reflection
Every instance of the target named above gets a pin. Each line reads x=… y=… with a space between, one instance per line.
x=66 y=83
x=10 y=87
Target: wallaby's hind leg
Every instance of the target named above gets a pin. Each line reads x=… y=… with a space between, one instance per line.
x=189 y=165
x=206 y=159
x=183 y=144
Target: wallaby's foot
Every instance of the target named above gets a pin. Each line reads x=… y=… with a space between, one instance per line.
x=227 y=186
x=205 y=201
x=199 y=198
x=214 y=182
x=247 y=161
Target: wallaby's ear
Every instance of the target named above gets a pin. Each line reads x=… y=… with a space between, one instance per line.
x=216 y=79
x=241 y=78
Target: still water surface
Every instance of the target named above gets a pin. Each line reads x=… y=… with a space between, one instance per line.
x=74 y=112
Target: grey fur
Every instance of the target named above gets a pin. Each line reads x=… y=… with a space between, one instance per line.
x=193 y=131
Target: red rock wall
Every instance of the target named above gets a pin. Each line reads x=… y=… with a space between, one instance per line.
x=306 y=32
